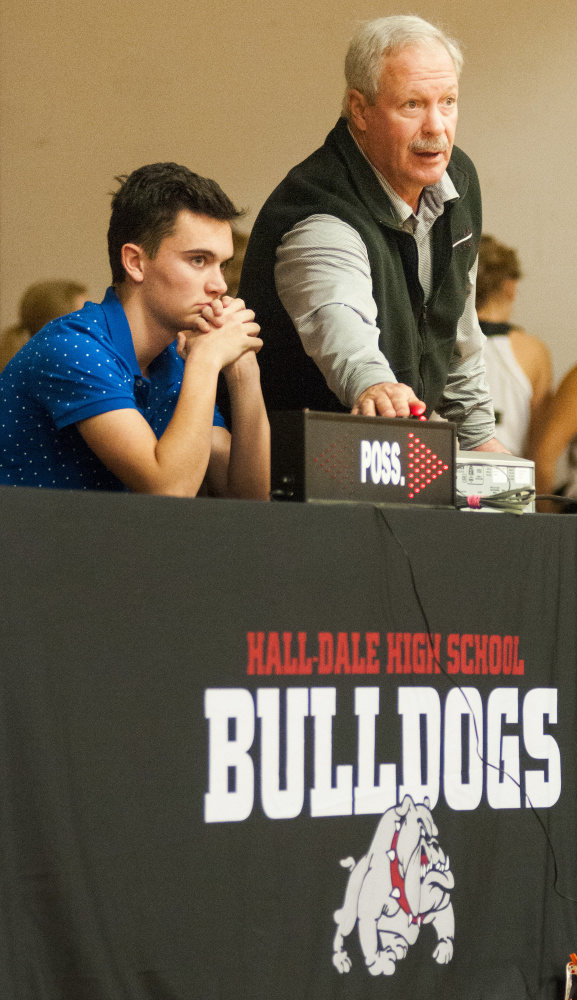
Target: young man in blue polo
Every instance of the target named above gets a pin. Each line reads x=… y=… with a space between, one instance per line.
x=121 y=395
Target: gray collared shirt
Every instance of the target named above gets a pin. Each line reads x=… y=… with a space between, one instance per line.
x=323 y=279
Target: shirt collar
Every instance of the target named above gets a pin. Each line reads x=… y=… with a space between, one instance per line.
x=119 y=329
x=166 y=368
x=433 y=197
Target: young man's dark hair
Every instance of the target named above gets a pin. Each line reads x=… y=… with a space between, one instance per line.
x=145 y=207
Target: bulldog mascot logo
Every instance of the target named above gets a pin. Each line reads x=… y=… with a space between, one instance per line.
x=403 y=881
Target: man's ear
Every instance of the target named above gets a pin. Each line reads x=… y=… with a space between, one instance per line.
x=131 y=256
x=357 y=108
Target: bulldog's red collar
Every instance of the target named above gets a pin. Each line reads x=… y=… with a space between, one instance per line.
x=398 y=881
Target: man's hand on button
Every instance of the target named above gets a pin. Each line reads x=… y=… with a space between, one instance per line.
x=389 y=399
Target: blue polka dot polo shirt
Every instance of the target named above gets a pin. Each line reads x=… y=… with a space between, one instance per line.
x=77 y=367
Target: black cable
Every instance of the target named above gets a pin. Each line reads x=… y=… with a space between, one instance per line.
x=488 y=763
x=555 y=496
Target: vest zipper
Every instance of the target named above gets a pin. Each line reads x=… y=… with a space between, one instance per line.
x=422 y=327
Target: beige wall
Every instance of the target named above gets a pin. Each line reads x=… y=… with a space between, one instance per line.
x=241 y=92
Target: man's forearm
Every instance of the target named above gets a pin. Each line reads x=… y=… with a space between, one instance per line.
x=175 y=463
x=467 y=401
x=227 y=344
x=493 y=444
x=249 y=463
x=345 y=349
x=323 y=279
x=183 y=450
x=466 y=398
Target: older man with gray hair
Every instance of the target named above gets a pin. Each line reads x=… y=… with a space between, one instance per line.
x=361 y=265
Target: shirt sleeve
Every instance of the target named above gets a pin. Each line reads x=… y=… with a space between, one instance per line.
x=218 y=419
x=467 y=399
x=73 y=377
x=323 y=279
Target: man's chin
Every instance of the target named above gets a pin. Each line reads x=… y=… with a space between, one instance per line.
x=430 y=170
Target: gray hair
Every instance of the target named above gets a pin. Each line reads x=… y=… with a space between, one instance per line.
x=374 y=40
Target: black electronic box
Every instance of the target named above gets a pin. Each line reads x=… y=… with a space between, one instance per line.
x=338 y=457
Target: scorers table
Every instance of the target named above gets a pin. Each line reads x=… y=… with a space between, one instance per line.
x=253 y=751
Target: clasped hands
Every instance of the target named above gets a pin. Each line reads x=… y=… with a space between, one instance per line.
x=225 y=328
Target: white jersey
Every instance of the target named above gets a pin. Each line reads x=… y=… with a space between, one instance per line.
x=512 y=392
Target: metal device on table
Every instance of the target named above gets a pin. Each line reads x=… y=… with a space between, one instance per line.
x=323 y=457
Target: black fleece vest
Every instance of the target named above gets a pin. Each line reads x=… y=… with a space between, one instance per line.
x=417 y=341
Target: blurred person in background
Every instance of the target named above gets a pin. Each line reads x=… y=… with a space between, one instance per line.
x=41 y=303
x=234 y=266
x=555 y=433
x=518 y=365
x=232 y=270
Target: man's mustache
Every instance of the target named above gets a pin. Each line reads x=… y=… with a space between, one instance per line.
x=440 y=144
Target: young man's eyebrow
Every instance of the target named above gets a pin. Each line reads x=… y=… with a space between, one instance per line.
x=205 y=253
x=200 y=252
